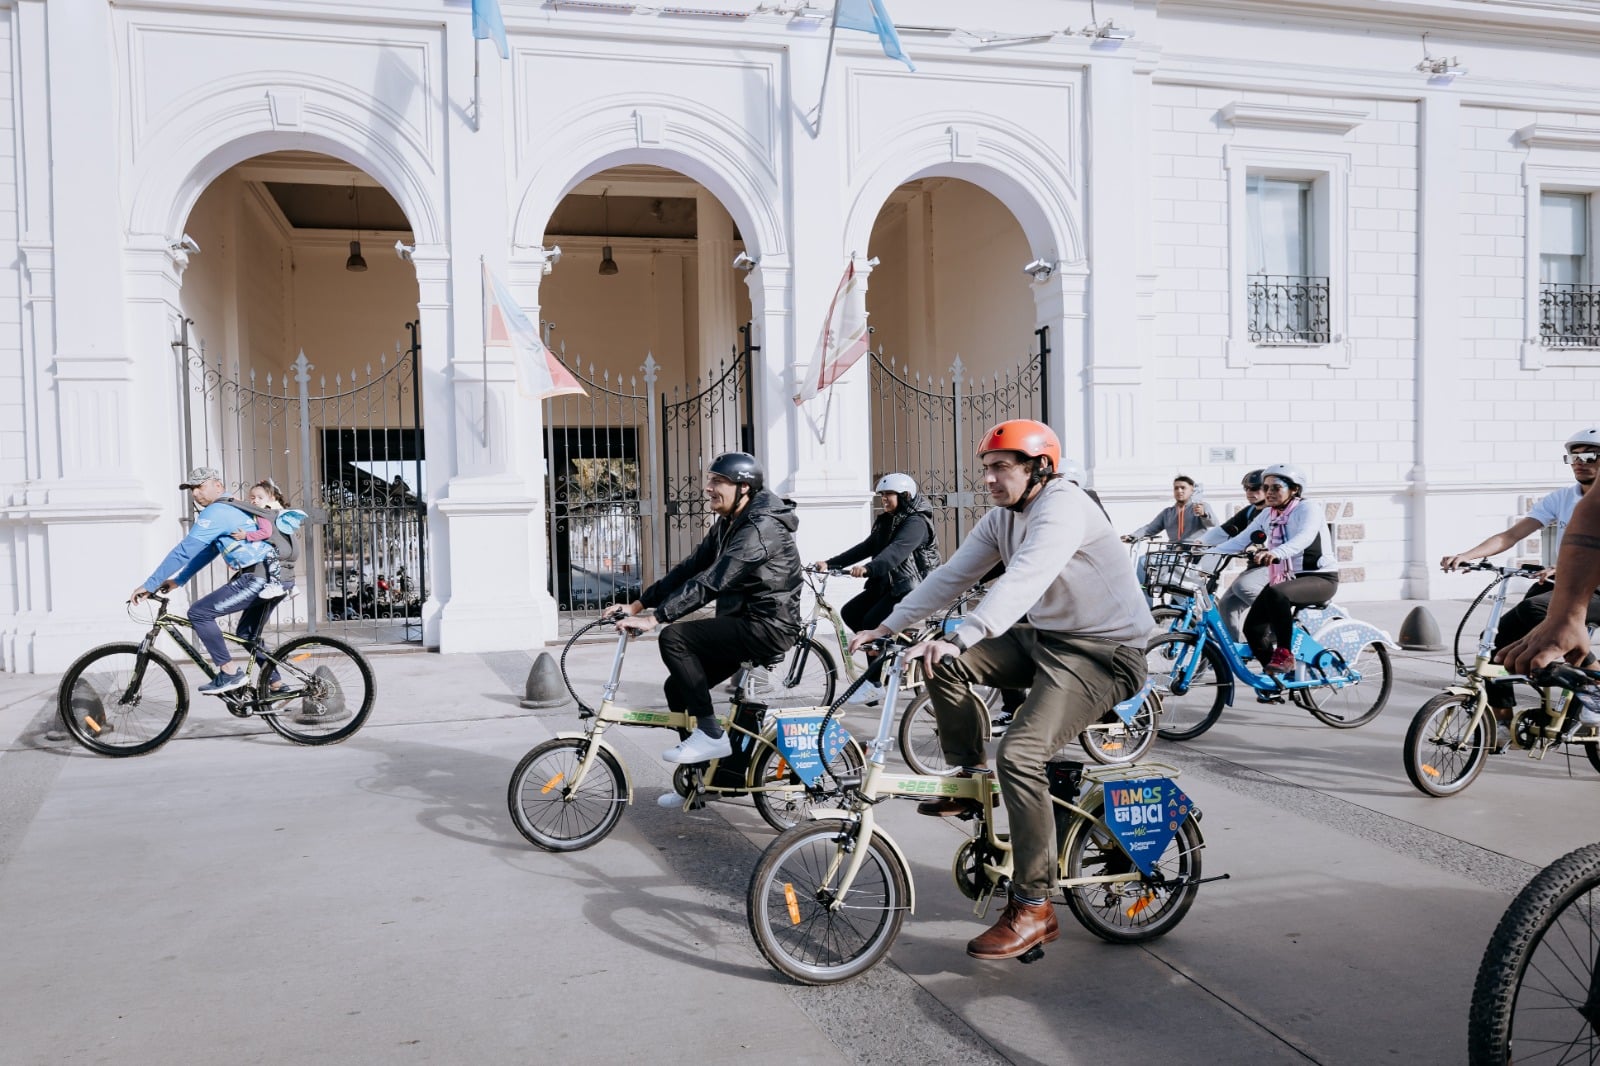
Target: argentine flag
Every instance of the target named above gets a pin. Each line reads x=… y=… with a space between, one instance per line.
x=487 y=23
x=868 y=16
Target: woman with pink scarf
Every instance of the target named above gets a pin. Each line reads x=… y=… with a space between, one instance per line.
x=1297 y=547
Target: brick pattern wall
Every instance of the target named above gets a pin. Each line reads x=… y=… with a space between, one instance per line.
x=13 y=459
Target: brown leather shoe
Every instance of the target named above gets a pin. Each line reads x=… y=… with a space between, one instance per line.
x=1020 y=927
x=949 y=807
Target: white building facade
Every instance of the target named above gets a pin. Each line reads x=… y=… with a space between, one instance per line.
x=1259 y=233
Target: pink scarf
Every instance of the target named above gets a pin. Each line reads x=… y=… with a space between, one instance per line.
x=1278 y=532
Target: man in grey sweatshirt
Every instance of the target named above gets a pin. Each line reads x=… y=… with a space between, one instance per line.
x=1067 y=621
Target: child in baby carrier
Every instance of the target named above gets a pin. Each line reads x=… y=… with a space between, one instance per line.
x=266 y=496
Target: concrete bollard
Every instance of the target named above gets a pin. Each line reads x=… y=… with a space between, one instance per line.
x=1419 y=632
x=545 y=687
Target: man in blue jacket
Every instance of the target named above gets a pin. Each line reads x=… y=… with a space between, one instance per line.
x=209 y=537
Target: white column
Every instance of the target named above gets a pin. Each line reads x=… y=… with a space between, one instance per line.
x=715 y=249
x=1439 y=523
x=487 y=517
x=1116 y=412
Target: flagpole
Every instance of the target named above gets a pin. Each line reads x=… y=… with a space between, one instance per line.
x=483 y=274
x=822 y=97
x=476 y=102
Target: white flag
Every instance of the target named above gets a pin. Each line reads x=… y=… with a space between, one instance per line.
x=843 y=340
x=505 y=325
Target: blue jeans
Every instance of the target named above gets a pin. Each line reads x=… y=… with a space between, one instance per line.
x=239 y=594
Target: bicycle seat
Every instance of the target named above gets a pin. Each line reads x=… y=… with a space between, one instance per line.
x=1321 y=605
x=753 y=664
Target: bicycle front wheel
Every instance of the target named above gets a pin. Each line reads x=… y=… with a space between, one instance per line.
x=1446 y=745
x=801 y=926
x=918 y=732
x=550 y=812
x=1113 y=742
x=806 y=678
x=1192 y=681
x=781 y=798
x=121 y=700
x=1128 y=912
x=1533 y=1000
x=315 y=690
x=1349 y=706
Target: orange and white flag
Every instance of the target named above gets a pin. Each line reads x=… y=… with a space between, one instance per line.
x=505 y=325
x=843 y=340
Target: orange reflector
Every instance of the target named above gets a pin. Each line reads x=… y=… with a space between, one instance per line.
x=1114 y=746
x=794 y=904
x=553 y=782
x=92 y=724
x=781 y=771
x=1430 y=771
x=1138 y=905
x=302 y=657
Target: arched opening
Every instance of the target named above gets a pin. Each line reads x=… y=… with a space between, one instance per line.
x=649 y=312
x=297 y=255
x=955 y=345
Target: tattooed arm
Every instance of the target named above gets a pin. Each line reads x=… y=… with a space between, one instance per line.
x=1562 y=634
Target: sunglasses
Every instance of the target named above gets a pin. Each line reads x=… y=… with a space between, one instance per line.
x=1581 y=457
x=1275 y=486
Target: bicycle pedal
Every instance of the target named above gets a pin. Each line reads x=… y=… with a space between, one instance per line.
x=1032 y=955
x=1271 y=697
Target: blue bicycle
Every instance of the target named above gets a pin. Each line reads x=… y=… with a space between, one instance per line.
x=1341 y=675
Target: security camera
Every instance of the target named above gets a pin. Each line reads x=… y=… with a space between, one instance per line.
x=404 y=250
x=185 y=244
x=1039 y=270
x=743 y=262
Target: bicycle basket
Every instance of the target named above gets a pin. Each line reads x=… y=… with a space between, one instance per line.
x=1181 y=569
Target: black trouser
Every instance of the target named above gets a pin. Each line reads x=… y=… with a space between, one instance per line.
x=869 y=609
x=708 y=651
x=1518 y=623
x=1270 y=623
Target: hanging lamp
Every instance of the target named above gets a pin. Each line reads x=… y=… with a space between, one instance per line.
x=356 y=262
x=608 y=265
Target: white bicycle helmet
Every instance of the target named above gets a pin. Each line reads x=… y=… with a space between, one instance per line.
x=1072 y=470
x=1584 y=438
x=901 y=483
x=1286 y=472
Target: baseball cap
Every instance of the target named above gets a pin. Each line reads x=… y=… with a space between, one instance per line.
x=200 y=475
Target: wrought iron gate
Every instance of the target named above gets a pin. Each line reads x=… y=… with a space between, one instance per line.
x=600 y=451
x=927 y=428
x=694 y=430
x=351 y=455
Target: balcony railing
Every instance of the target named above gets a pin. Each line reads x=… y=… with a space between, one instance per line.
x=1569 y=315
x=1288 y=309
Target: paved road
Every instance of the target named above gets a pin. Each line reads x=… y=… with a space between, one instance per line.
x=233 y=898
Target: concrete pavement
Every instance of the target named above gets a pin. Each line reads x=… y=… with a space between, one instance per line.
x=233 y=897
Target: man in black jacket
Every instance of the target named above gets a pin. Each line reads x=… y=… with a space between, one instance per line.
x=898 y=545
x=749 y=565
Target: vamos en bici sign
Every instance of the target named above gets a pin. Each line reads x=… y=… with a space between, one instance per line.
x=1144 y=816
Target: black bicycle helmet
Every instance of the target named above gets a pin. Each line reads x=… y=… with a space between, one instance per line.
x=740 y=468
x=1253 y=479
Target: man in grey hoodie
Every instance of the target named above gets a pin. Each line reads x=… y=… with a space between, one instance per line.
x=1066 y=620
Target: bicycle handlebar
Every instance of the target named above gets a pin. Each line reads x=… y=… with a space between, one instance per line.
x=1564 y=675
x=1503 y=571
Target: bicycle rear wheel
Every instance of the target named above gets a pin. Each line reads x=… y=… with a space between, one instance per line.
x=323 y=694
x=1193 y=683
x=1129 y=912
x=1113 y=742
x=1445 y=749
x=1354 y=705
x=121 y=700
x=792 y=910
x=1535 y=998
x=806 y=678
x=781 y=799
x=550 y=812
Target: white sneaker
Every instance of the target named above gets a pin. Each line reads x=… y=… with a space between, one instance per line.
x=699 y=748
x=271 y=591
x=670 y=801
x=866 y=695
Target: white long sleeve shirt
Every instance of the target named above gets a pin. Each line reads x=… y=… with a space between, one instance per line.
x=1067 y=571
x=1306 y=535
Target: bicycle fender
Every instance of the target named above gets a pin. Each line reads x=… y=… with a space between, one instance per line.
x=1348 y=635
x=627 y=778
x=836 y=814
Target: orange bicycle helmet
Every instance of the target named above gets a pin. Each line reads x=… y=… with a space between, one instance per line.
x=1033 y=439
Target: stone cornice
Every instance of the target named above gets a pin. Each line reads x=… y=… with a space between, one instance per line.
x=1287 y=117
x=1543 y=135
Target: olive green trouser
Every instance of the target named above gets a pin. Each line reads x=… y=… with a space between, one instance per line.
x=1072 y=681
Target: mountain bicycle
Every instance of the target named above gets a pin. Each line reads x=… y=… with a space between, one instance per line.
x=1453 y=734
x=129 y=699
x=829 y=896
x=1537 y=993
x=569 y=792
x=1342 y=674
